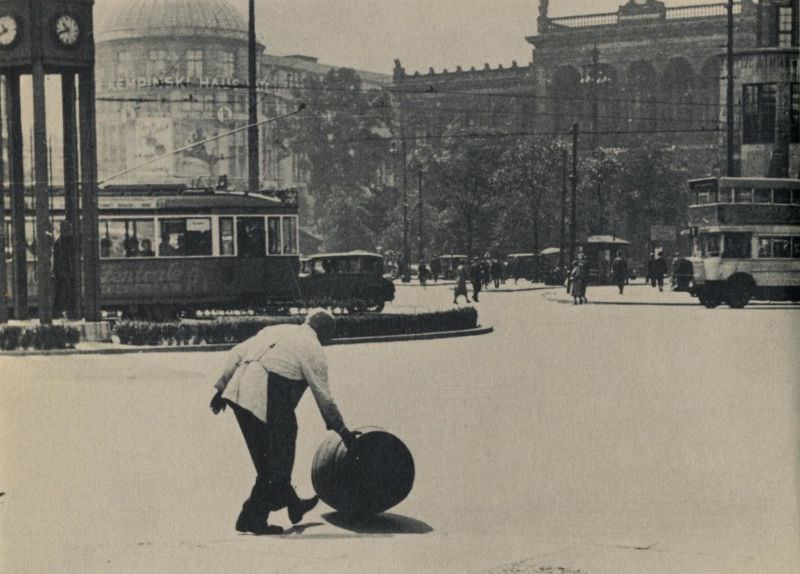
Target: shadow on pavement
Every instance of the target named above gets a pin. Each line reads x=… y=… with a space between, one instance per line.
x=385 y=523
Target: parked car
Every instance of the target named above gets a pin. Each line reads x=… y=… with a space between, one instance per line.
x=353 y=280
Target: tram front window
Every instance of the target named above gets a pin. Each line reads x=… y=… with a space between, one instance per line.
x=250 y=236
x=737 y=246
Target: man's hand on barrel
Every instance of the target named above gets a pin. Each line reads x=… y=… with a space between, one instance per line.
x=348 y=436
x=217 y=403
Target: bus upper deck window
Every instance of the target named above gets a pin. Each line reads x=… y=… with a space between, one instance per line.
x=783 y=196
x=724 y=195
x=762 y=195
x=796 y=247
x=743 y=195
x=781 y=247
x=796 y=196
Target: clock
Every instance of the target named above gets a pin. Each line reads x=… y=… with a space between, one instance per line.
x=9 y=30
x=67 y=30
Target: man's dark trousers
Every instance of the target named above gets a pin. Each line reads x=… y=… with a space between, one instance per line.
x=272 y=447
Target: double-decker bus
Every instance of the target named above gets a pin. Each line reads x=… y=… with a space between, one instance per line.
x=746 y=240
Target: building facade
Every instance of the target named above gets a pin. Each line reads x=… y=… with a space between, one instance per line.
x=173 y=73
x=646 y=70
x=767 y=95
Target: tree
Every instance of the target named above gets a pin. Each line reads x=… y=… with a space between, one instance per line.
x=528 y=184
x=466 y=166
x=342 y=142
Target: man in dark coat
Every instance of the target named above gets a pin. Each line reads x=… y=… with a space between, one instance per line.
x=476 y=276
x=619 y=271
x=659 y=270
x=63 y=270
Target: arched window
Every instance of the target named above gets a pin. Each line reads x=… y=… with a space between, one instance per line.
x=642 y=90
x=678 y=91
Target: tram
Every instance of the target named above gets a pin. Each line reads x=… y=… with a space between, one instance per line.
x=169 y=249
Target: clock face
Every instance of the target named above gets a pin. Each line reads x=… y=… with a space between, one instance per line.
x=9 y=30
x=67 y=30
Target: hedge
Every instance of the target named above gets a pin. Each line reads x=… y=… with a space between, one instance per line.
x=14 y=337
x=235 y=330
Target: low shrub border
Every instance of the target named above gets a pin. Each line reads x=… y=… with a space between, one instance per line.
x=235 y=330
x=13 y=337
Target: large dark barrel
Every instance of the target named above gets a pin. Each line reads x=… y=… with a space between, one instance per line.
x=374 y=475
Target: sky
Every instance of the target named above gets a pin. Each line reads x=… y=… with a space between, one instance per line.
x=370 y=34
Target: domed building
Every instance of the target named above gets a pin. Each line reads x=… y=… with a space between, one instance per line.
x=173 y=72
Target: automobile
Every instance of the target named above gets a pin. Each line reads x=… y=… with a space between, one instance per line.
x=352 y=280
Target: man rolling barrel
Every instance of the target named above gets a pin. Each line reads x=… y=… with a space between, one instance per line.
x=263 y=380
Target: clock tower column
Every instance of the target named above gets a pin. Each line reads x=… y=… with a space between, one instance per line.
x=41 y=37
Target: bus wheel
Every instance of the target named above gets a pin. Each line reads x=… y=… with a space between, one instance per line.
x=709 y=298
x=738 y=293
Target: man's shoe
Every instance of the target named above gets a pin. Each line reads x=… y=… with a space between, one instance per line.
x=259 y=529
x=302 y=505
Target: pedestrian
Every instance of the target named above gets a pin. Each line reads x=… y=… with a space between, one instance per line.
x=63 y=270
x=514 y=268
x=436 y=269
x=577 y=282
x=423 y=273
x=497 y=272
x=263 y=380
x=659 y=270
x=677 y=278
x=476 y=276
x=651 y=270
x=461 y=284
x=619 y=271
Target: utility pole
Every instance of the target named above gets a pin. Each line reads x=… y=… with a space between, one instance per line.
x=574 y=178
x=252 y=132
x=594 y=76
x=406 y=250
x=562 y=242
x=731 y=162
x=420 y=214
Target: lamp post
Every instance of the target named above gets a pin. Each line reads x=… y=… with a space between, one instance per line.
x=593 y=76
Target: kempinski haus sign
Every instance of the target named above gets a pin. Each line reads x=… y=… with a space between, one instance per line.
x=181 y=82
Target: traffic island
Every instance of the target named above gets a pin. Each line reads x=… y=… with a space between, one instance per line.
x=220 y=334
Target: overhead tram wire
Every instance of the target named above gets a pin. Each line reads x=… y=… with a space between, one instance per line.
x=423 y=93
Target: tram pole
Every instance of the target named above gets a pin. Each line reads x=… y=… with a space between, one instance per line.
x=574 y=181
x=420 y=214
x=730 y=151
x=562 y=243
x=252 y=131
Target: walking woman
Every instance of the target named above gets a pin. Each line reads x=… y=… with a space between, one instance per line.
x=578 y=283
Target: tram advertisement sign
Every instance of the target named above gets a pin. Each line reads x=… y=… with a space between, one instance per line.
x=662 y=233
